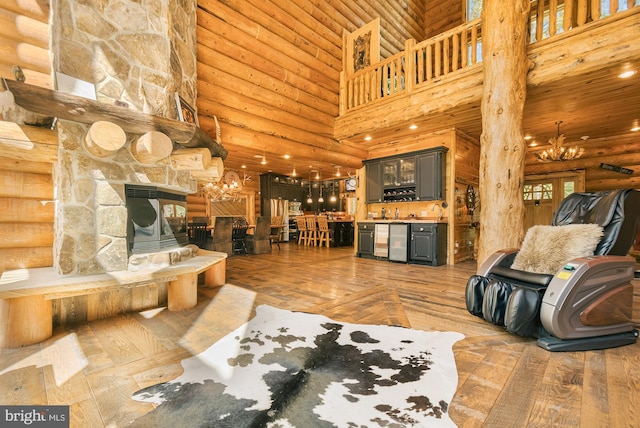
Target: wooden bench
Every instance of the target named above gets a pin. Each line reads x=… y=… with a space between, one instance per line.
x=26 y=295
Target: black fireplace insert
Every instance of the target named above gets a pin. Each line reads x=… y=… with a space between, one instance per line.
x=157 y=218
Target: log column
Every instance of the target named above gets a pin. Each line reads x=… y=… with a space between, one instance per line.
x=502 y=145
x=183 y=292
x=216 y=275
x=25 y=321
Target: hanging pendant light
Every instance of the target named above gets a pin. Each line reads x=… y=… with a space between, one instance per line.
x=333 y=199
x=320 y=199
x=309 y=198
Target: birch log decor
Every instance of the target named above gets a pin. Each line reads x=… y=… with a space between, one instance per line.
x=502 y=144
x=151 y=147
x=104 y=139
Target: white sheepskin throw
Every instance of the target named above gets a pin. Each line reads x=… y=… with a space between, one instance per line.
x=546 y=249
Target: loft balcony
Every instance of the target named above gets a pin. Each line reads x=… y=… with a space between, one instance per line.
x=575 y=57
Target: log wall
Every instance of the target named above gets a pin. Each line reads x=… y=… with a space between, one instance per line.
x=442 y=15
x=24 y=40
x=269 y=71
x=26 y=214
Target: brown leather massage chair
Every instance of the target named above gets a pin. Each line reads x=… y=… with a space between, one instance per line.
x=587 y=303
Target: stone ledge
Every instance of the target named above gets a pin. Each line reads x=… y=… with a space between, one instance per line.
x=162 y=258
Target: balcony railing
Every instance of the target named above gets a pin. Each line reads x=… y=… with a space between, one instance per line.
x=461 y=47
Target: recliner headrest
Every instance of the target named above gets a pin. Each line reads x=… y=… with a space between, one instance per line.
x=615 y=210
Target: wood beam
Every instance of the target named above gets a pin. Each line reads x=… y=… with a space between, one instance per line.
x=83 y=110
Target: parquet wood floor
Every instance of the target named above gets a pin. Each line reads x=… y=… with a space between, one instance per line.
x=504 y=380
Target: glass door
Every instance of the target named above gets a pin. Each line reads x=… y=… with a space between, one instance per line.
x=390 y=173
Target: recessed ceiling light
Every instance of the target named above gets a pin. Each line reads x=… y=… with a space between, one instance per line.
x=286 y=156
x=533 y=144
x=528 y=137
x=367 y=138
x=414 y=126
x=635 y=129
x=627 y=74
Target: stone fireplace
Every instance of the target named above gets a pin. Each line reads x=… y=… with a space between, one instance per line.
x=138 y=55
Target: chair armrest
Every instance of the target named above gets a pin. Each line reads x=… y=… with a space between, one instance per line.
x=501 y=257
x=541 y=279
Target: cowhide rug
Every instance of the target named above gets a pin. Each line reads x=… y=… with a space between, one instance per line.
x=291 y=369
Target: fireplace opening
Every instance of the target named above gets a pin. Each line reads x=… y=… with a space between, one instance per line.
x=157 y=219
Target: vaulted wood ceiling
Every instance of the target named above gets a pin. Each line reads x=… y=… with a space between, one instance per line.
x=284 y=102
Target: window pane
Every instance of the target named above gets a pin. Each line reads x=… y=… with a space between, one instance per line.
x=569 y=188
x=474 y=7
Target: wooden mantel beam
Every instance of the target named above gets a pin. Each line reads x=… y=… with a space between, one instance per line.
x=77 y=109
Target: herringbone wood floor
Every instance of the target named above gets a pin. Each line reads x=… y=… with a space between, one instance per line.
x=504 y=380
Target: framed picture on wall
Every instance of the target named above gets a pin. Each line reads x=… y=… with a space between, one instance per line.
x=186 y=113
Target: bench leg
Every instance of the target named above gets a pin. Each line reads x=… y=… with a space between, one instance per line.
x=216 y=274
x=25 y=321
x=182 y=294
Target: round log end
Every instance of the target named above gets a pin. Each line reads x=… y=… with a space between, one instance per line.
x=151 y=147
x=104 y=138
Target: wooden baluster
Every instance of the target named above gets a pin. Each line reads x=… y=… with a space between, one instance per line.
x=614 y=7
x=375 y=84
x=553 y=17
x=474 y=44
x=438 y=59
x=581 y=18
x=540 y=21
x=456 y=52
x=429 y=63
x=446 y=56
x=464 y=43
x=568 y=15
x=393 y=78
x=421 y=70
x=596 y=12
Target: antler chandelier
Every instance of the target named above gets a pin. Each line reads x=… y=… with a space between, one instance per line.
x=227 y=189
x=558 y=151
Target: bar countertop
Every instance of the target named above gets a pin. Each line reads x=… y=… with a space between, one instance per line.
x=405 y=220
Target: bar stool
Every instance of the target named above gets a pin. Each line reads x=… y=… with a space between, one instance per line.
x=324 y=233
x=302 y=230
x=312 y=230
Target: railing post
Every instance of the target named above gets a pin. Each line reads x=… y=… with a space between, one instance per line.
x=409 y=65
x=342 y=108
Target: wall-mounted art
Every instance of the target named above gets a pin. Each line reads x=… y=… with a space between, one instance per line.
x=362 y=47
x=186 y=113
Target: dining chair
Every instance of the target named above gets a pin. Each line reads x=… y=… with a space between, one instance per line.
x=198 y=234
x=276 y=230
x=222 y=235
x=258 y=242
x=239 y=235
x=302 y=230
x=324 y=233
x=312 y=230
